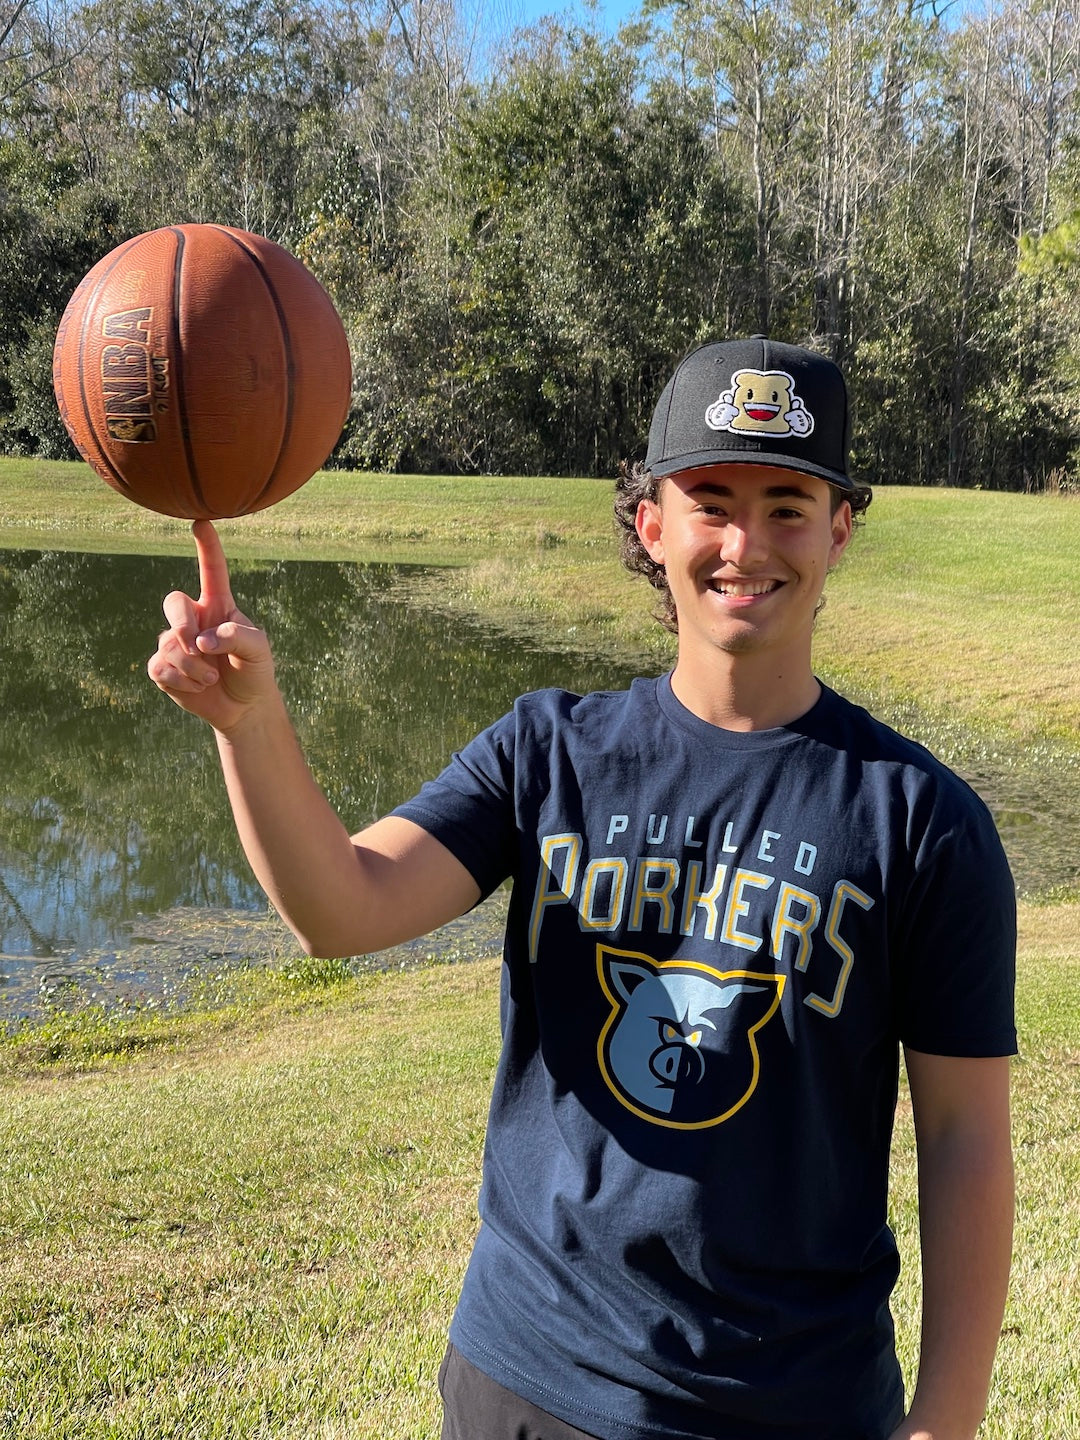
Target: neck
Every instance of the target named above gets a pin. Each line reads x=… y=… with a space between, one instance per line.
x=745 y=692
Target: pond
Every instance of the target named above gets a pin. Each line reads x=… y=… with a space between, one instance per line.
x=118 y=858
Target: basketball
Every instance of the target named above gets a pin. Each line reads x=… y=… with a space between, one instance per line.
x=202 y=371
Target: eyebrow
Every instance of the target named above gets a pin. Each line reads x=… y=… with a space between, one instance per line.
x=771 y=492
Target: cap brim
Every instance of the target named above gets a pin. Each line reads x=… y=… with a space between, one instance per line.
x=701 y=458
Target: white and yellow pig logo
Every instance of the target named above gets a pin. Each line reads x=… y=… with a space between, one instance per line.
x=760 y=402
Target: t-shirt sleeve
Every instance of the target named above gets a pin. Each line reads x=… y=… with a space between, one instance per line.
x=470 y=808
x=956 y=975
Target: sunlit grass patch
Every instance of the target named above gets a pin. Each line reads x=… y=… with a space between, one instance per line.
x=90 y=1035
x=273 y=1227
x=931 y=603
x=54 y=504
x=315 y=973
x=578 y=600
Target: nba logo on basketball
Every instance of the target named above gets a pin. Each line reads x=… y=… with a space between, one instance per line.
x=127 y=376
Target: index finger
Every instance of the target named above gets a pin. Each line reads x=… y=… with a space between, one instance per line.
x=216 y=591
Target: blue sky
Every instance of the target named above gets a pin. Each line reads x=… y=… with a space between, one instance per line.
x=609 y=13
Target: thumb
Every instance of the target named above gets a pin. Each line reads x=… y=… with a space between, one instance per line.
x=236 y=637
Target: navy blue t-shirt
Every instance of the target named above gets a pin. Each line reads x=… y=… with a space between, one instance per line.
x=716 y=942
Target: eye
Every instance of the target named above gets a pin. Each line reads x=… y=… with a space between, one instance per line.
x=672 y=1035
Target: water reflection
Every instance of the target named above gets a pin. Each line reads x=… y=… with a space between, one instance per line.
x=111 y=805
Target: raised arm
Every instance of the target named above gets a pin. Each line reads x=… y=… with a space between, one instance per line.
x=340 y=894
x=961 y=1109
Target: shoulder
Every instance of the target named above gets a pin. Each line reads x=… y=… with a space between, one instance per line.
x=553 y=713
x=876 y=744
x=910 y=786
x=552 y=734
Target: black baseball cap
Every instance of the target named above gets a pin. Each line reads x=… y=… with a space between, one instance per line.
x=753 y=402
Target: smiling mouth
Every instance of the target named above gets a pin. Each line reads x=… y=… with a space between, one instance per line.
x=740 y=589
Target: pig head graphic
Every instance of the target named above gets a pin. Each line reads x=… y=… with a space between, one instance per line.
x=680 y=1045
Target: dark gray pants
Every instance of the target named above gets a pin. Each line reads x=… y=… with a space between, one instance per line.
x=475 y=1408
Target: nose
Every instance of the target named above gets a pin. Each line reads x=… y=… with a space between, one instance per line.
x=743 y=542
x=672 y=1064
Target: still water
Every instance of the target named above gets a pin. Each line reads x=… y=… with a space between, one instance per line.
x=114 y=830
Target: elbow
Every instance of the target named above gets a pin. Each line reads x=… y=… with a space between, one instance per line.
x=321 y=948
x=325 y=945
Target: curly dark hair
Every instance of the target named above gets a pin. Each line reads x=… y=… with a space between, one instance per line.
x=635 y=483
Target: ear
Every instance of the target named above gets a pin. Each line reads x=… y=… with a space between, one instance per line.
x=625 y=977
x=649 y=523
x=842 y=524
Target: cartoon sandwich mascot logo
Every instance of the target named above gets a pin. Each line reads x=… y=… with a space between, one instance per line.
x=760 y=402
x=680 y=1045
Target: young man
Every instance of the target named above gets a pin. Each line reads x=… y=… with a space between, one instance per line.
x=735 y=895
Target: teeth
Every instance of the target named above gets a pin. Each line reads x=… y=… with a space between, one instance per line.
x=744 y=587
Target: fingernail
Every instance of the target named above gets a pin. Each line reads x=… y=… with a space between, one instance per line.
x=208 y=640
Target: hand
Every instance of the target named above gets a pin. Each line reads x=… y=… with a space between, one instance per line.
x=911 y=1429
x=212 y=660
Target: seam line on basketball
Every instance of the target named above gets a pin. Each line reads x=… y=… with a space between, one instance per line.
x=290 y=363
x=178 y=370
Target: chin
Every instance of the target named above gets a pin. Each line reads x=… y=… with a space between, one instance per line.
x=741 y=644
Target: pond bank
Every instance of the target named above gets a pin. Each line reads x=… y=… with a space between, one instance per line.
x=922 y=608
x=191 y=958
x=245 y=974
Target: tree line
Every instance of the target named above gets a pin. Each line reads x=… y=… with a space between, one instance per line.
x=522 y=235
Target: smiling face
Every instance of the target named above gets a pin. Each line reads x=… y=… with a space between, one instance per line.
x=746 y=549
x=762 y=400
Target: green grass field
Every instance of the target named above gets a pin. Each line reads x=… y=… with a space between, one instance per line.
x=252 y=1223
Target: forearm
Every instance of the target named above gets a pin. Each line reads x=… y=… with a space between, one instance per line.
x=300 y=851
x=966 y=1217
x=339 y=894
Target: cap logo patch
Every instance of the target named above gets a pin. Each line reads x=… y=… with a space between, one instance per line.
x=760 y=402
